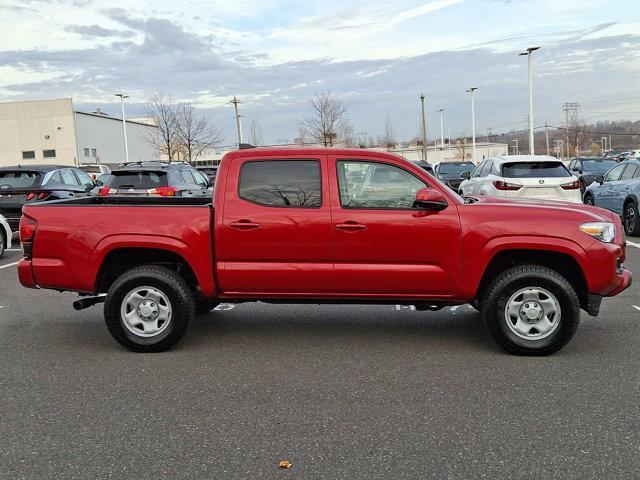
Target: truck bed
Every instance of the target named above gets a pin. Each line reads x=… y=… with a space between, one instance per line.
x=74 y=237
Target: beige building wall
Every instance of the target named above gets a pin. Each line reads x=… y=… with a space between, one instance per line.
x=35 y=127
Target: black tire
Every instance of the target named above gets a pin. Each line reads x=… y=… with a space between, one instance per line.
x=588 y=200
x=583 y=187
x=172 y=286
x=203 y=304
x=631 y=221
x=2 y=244
x=475 y=303
x=508 y=284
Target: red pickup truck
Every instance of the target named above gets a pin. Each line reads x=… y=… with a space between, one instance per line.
x=332 y=226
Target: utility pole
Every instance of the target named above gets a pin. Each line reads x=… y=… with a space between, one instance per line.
x=424 y=130
x=441 y=129
x=516 y=146
x=124 y=126
x=532 y=146
x=235 y=103
x=473 y=124
x=546 y=135
x=572 y=107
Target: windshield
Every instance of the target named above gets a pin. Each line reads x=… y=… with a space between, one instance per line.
x=598 y=166
x=137 y=180
x=455 y=168
x=534 y=170
x=18 y=179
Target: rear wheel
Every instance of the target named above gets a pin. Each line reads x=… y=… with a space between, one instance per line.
x=148 y=309
x=531 y=310
x=631 y=220
x=2 y=244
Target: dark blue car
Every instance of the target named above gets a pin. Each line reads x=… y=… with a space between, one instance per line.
x=618 y=190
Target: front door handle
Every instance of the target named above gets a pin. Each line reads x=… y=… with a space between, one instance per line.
x=350 y=226
x=244 y=225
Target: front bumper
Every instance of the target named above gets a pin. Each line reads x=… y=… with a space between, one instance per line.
x=624 y=278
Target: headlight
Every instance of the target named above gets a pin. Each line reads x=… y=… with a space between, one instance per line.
x=603 y=231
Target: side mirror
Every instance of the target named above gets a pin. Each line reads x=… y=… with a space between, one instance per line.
x=98 y=183
x=430 y=199
x=466 y=175
x=600 y=179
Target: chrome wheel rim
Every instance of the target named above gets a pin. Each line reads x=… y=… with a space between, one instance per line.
x=145 y=311
x=532 y=313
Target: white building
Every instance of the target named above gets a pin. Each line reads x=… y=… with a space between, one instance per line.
x=52 y=131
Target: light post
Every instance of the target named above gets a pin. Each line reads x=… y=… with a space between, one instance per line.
x=531 y=139
x=124 y=126
x=441 y=129
x=473 y=124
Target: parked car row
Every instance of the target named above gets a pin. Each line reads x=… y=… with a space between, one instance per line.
x=23 y=185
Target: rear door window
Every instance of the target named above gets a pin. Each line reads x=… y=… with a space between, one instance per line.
x=137 y=180
x=68 y=178
x=614 y=174
x=534 y=170
x=281 y=183
x=486 y=170
x=187 y=177
x=18 y=179
x=629 y=172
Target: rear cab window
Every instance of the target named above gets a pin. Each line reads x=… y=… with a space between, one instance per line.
x=281 y=183
x=534 y=170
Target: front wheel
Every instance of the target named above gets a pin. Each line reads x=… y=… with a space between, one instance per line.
x=531 y=310
x=631 y=220
x=2 y=247
x=148 y=308
x=588 y=200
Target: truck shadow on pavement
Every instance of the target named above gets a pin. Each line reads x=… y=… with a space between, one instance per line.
x=373 y=326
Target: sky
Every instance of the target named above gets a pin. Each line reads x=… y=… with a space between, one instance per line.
x=377 y=55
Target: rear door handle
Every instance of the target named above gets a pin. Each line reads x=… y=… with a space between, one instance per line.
x=244 y=225
x=350 y=226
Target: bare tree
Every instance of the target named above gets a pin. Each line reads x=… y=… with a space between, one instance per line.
x=163 y=113
x=256 y=134
x=327 y=120
x=388 y=139
x=462 y=149
x=576 y=131
x=195 y=133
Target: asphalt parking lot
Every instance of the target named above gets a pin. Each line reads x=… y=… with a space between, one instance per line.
x=339 y=391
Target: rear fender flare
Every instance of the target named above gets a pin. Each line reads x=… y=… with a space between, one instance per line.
x=201 y=267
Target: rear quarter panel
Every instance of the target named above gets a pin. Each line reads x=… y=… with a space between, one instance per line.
x=71 y=242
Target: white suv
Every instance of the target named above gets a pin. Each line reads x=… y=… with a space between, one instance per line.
x=523 y=176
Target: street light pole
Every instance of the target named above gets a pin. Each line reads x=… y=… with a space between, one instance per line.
x=532 y=146
x=424 y=129
x=441 y=129
x=235 y=103
x=473 y=123
x=124 y=125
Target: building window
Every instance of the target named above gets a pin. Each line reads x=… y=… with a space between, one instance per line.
x=94 y=153
x=28 y=155
x=86 y=152
x=49 y=153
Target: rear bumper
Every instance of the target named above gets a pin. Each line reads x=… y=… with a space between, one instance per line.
x=25 y=274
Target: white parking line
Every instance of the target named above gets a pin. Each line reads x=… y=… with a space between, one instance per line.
x=637 y=245
x=225 y=306
x=8 y=265
x=636 y=307
x=13 y=250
